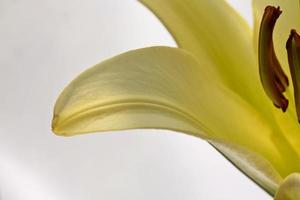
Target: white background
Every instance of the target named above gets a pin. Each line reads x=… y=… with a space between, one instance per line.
x=43 y=45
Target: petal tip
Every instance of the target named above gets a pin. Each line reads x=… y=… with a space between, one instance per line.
x=55 y=126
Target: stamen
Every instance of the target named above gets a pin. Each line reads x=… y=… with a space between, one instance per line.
x=293 y=50
x=273 y=79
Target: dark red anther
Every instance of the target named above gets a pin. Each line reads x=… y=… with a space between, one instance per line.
x=273 y=79
x=293 y=50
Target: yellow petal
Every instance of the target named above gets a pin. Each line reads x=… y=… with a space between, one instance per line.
x=212 y=29
x=289 y=188
x=124 y=91
x=167 y=88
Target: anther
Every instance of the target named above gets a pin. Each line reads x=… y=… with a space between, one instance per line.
x=293 y=50
x=273 y=79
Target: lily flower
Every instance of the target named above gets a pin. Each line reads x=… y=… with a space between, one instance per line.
x=217 y=85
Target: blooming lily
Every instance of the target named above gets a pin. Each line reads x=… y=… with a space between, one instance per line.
x=217 y=86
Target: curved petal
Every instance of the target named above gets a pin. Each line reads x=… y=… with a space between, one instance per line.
x=146 y=88
x=167 y=88
x=214 y=30
x=151 y=80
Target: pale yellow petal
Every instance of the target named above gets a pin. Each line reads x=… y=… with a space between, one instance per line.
x=121 y=92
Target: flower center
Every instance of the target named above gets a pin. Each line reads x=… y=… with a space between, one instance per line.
x=273 y=79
